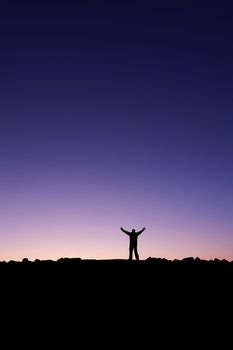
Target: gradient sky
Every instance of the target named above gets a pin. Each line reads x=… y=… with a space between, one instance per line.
x=116 y=113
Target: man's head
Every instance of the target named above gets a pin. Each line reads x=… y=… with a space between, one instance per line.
x=133 y=230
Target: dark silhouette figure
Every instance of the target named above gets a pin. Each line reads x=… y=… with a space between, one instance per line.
x=133 y=242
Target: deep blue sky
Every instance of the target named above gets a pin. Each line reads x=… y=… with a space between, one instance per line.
x=116 y=113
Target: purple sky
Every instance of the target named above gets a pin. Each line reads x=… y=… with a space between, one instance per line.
x=116 y=113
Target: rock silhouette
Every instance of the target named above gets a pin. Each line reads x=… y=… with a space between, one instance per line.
x=165 y=295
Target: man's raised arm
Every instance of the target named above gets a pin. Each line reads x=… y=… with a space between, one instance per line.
x=125 y=231
x=139 y=232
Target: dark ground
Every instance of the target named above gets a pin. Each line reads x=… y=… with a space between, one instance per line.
x=151 y=278
x=156 y=300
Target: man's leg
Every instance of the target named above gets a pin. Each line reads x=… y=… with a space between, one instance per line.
x=136 y=253
x=130 y=253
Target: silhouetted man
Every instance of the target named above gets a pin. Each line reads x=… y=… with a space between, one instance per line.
x=133 y=241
